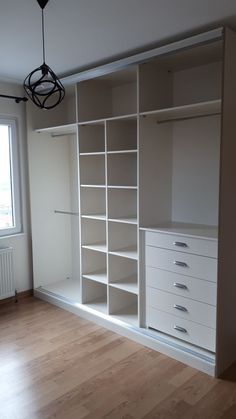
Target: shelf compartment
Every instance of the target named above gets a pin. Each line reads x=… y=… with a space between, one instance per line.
x=92 y=170
x=122 y=239
x=93 y=234
x=123 y=274
x=122 y=135
x=93 y=203
x=123 y=305
x=94 y=295
x=193 y=110
x=91 y=139
x=186 y=77
x=93 y=263
x=108 y=96
x=122 y=169
x=97 y=276
x=122 y=205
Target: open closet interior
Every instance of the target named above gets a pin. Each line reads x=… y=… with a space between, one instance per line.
x=126 y=196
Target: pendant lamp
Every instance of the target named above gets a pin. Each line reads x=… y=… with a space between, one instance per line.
x=42 y=85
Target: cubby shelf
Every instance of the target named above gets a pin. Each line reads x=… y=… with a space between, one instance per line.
x=127 y=284
x=122 y=151
x=92 y=186
x=126 y=220
x=94 y=216
x=127 y=252
x=100 y=121
x=212 y=107
x=121 y=187
x=98 y=276
x=97 y=153
x=99 y=247
x=98 y=304
x=129 y=315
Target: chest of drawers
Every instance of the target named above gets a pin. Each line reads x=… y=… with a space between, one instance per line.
x=181 y=277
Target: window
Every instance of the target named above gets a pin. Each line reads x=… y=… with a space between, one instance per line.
x=10 y=217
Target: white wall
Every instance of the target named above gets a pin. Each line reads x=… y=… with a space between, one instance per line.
x=21 y=243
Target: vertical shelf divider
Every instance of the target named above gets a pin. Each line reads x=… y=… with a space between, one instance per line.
x=107 y=224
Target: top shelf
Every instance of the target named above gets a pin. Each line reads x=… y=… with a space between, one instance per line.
x=59 y=130
x=212 y=107
x=185 y=229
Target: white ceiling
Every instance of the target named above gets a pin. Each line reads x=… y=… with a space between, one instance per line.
x=82 y=33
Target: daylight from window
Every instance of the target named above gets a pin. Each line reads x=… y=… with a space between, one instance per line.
x=6 y=207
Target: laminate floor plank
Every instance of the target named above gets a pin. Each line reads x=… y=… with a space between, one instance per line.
x=55 y=365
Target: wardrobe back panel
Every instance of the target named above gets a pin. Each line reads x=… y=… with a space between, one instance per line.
x=195 y=170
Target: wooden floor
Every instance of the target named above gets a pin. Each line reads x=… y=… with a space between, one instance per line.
x=56 y=365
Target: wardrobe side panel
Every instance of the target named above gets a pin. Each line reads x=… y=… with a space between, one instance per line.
x=226 y=296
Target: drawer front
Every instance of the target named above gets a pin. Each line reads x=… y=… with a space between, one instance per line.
x=185 y=286
x=203 y=247
x=182 y=263
x=194 y=333
x=182 y=307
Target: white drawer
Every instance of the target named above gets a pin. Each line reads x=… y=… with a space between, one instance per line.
x=183 y=329
x=182 y=263
x=203 y=247
x=182 y=307
x=185 y=286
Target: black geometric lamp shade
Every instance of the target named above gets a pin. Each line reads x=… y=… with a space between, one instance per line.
x=44 y=88
x=42 y=85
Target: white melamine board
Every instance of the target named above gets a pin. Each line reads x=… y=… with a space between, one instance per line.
x=93 y=231
x=120 y=269
x=195 y=174
x=98 y=276
x=108 y=96
x=226 y=294
x=120 y=300
x=75 y=225
x=188 y=111
x=130 y=252
x=91 y=139
x=92 y=170
x=94 y=100
x=155 y=172
x=69 y=289
x=92 y=291
x=122 y=169
x=122 y=135
x=186 y=230
x=60 y=130
x=92 y=261
x=197 y=84
x=93 y=201
x=121 y=236
x=129 y=284
x=122 y=204
x=155 y=90
x=51 y=172
x=63 y=114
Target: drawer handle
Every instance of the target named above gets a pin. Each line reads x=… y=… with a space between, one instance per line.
x=180 y=329
x=182 y=286
x=178 y=263
x=180 y=244
x=181 y=308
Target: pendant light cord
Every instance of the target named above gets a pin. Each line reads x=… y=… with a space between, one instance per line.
x=43 y=36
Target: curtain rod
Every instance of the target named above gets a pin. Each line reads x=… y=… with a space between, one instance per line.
x=16 y=98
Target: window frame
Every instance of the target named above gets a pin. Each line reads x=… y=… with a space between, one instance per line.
x=15 y=178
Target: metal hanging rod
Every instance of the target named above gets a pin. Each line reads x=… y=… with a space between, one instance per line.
x=185 y=118
x=17 y=99
x=66 y=212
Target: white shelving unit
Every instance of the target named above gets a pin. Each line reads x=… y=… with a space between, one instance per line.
x=155 y=150
x=108 y=153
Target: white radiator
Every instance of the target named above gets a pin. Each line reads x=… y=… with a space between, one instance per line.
x=7 y=283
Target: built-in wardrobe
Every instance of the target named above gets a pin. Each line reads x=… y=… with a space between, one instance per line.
x=132 y=200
